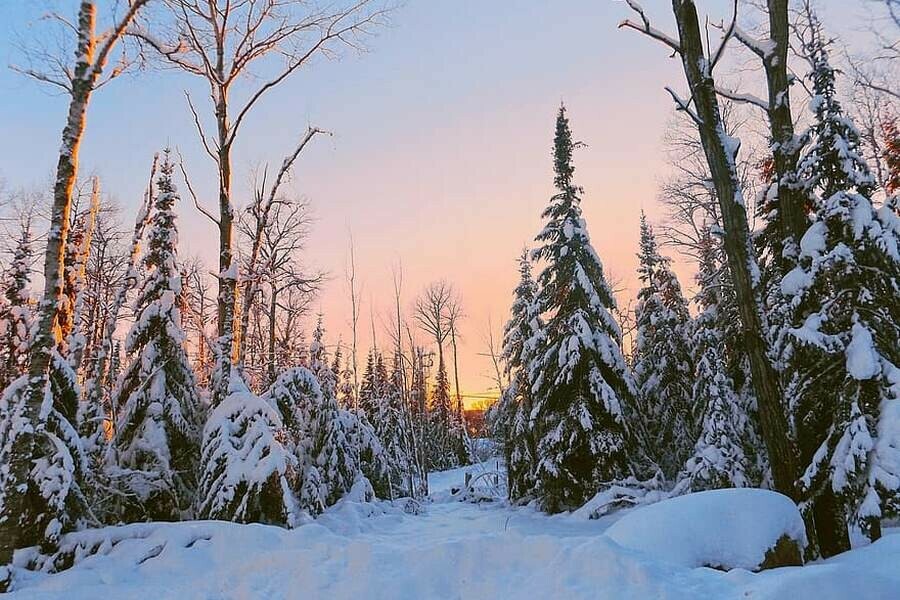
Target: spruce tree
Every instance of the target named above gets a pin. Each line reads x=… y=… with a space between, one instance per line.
x=440 y=419
x=514 y=407
x=718 y=459
x=843 y=346
x=663 y=368
x=248 y=474
x=580 y=380
x=16 y=314
x=158 y=429
x=369 y=388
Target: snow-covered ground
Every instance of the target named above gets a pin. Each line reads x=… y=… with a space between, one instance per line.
x=451 y=550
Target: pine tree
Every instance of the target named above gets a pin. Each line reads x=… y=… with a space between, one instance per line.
x=157 y=433
x=513 y=410
x=844 y=343
x=580 y=381
x=248 y=473
x=663 y=365
x=16 y=315
x=368 y=389
x=441 y=453
x=718 y=458
x=394 y=429
x=891 y=142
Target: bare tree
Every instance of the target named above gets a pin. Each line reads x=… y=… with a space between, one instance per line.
x=221 y=41
x=354 y=318
x=290 y=289
x=92 y=51
x=98 y=380
x=432 y=313
x=720 y=150
x=688 y=193
x=255 y=225
x=454 y=315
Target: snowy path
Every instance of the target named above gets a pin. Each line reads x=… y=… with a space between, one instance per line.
x=453 y=550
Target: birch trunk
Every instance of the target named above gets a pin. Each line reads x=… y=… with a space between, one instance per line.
x=89 y=64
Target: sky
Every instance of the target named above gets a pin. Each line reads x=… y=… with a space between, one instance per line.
x=440 y=158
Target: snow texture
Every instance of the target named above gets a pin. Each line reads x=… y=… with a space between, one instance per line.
x=449 y=550
x=731 y=528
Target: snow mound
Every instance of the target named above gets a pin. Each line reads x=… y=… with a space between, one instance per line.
x=731 y=528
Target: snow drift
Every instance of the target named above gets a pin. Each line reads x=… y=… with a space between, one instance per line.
x=727 y=529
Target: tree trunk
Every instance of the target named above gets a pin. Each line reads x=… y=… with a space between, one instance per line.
x=785 y=147
x=720 y=154
x=77 y=342
x=459 y=402
x=273 y=305
x=831 y=533
x=227 y=276
x=45 y=338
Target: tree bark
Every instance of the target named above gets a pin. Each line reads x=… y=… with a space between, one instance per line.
x=785 y=146
x=273 y=307
x=45 y=336
x=89 y=63
x=227 y=276
x=720 y=153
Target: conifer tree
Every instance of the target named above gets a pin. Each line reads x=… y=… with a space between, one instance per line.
x=663 y=365
x=248 y=474
x=514 y=407
x=394 y=430
x=369 y=388
x=15 y=315
x=718 y=458
x=158 y=429
x=580 y=380
x=891 y=142
x=441 y=454
x=844 y=344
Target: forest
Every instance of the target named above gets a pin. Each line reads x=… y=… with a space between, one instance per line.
x=162 y=413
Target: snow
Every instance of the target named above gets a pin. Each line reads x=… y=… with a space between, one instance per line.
x=450 y=550
x=862 y=358
x=730 y=528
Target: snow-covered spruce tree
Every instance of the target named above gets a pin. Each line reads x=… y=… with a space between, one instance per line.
x=394 y=430
x=891 y=143
x=59 y=481
x=513 y=411
x=580 y=380
x=663 y=367
x=844 y=344
x=16 y=314
x=248 y=474
x=298 y=397
x=718 y=458
x=345 y=450
x=157 y=435
x=440 y=442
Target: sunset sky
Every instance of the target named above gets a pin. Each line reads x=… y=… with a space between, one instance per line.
x=441 y=154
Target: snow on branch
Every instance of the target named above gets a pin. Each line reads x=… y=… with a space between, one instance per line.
x=647 y=29
x=762 y=48
x=684 y=107
x=743 y=98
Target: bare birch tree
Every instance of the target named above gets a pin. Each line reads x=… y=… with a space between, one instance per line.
x=258 y=216
x=92 y=51
x=221 y=41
